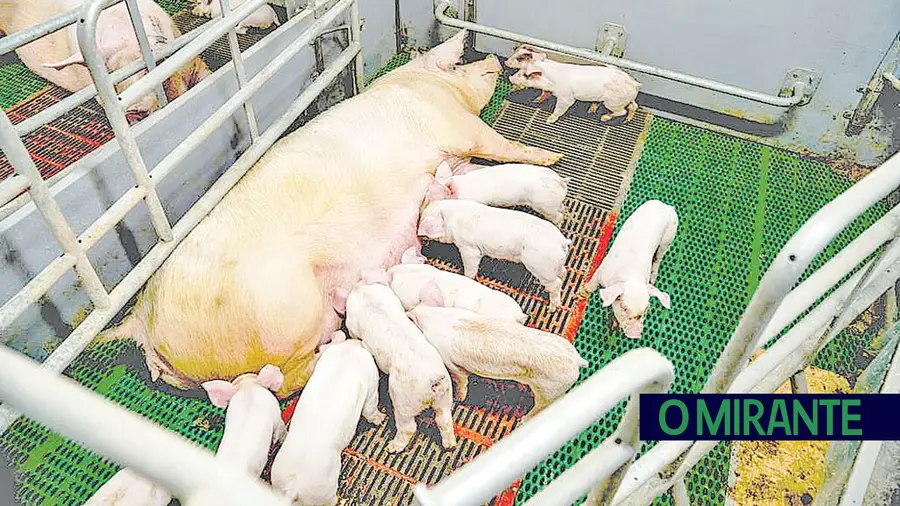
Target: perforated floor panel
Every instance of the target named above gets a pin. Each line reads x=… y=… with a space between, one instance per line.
x=738 y=202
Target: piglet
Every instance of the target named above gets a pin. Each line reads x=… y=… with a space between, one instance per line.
x=417 y=378
x=513 y=184
x=127 y=488
x=416 y=282
x=629 y=270
x=470 y=343
x=252 y=417
x=478 y=230
x=604 y=84
x=343 y=385
x=261 y=18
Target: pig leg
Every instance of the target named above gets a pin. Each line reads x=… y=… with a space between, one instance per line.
x=562 y=105
x=460 y=379
x=471 y=259
x=613 y=114
x=443 y=417
x=405 y=411
x=632 y=109
x=370 y=406
x=488 y=144
x=664 y=244
x=588 y=288
x=543 y=96
x=593 y=108
x=554 y=289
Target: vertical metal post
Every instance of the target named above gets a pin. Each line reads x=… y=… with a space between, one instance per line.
x=355 y=35
x=238 y=60
x=146 y=50
x=799 y=384
x=87 y=40
x=24 y=166
x=679 y=494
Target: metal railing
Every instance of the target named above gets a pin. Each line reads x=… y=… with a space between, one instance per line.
x=39 y=391
x=638 y=371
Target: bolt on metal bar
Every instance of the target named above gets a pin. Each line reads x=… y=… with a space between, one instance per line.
x=66 y=352
x=796 y=97
x=24 y=166
x=491 y=472
x=115 y=113
x=184 y=468
x=134 y=13
x=81 y=96
x=218 y=28
x=237 y=60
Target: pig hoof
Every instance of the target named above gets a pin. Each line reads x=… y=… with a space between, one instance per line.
x=551 y=119
x=583 y=293
x=396 y=447
x=605 y=117
x=449 y=445
x=377 y=419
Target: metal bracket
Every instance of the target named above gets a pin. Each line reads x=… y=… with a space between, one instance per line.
x=807 y=81
x=611 y=40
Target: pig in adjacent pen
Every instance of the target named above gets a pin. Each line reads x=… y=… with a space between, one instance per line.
x=413 y=281
x=119 y=47
x=261 y=18
x=250 y=284
x=417 y=378
x=470 y=343
x=252 y=417
x=629 y=270
x=343 y=387
x=604 y=84
x=512 y=184
x=478 y=230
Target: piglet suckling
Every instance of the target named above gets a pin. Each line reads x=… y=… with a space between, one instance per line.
x=127 y=488
x=470 y=343
x=252 y=417
x=343 y=386
x=478 y=230
x=604 y=84
x=261 y=18
x=629 y=270
x=417 y=378
x=514 y=184
x=416 y=282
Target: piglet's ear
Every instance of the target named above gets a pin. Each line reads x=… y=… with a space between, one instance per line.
x=663 y=297
x=220 y=392
x=339 y=300
x=412 y=256
x=430 y=294
x=610 y=294
x=431 y=227
x=270 y=377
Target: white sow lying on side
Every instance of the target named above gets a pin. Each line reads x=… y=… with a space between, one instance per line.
x=493 y=348
x=514 y=184
x=478 y=230
x=343 y=385
x=417 y=378
x=416 y=282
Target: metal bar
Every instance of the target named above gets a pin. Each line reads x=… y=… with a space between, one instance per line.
x=81 y=96
x=115 y=113
x=799 y=385
x=807 y=292
x=23 y=164
x=134 y=13
x=764 y=98
x=11 y=187
x=182 y=467
x=680 y=495
x=356 y=35
x=63 y=355
x=569 y=486
x=492 y=471
x=34 y=289
x=218 y=28
x=189 y=144
x=237 y=59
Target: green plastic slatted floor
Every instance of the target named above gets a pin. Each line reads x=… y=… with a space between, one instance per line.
x=728 y=192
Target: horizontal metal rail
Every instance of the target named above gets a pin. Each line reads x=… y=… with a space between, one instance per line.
x=492 y=471
x=63 y=355
x=796 y=97
x=190 y=472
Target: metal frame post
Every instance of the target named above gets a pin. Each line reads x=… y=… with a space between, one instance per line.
x=237 y=59
x=146 y=49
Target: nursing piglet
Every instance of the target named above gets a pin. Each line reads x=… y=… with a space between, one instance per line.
x=416 y=282
x=478 y=230
x=417 y=378
x=514 y=184
x=470 y=343
x=628 y=272
x=127 y=488
x=261 y=18
x=604 y=84
x=252 y=417
x=343 y=385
